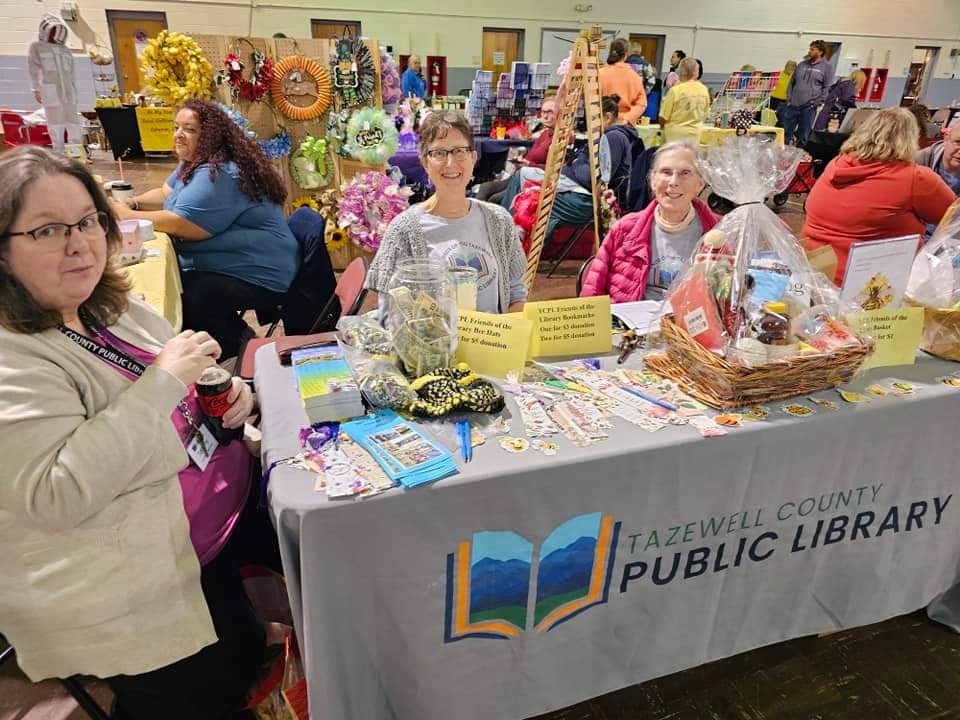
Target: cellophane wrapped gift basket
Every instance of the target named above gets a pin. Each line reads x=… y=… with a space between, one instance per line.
x=749 y=321
x=934 y=285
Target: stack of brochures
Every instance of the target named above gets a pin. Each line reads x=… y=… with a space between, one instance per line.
x=407 y=455
x=327 y=388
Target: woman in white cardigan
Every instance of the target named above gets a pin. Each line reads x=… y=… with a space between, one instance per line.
x=101 y=568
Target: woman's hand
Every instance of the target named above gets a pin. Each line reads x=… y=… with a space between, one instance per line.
x=187 y=355
x=241 y=397
x=121 y=210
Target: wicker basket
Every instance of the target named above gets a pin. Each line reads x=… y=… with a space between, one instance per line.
x=724 y=385
x=941 y=331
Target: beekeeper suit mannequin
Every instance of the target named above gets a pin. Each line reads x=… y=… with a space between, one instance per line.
x=50 y=64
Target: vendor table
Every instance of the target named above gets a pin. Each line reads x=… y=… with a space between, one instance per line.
x=709 y=135
x=156 y=279
x=657 y=552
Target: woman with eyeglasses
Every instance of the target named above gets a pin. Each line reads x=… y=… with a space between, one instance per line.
x=453 y=229
x=120 y=517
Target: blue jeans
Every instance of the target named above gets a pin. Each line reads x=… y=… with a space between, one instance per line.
x=797 y=123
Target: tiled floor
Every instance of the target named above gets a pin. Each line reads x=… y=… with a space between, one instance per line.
x=907 y=667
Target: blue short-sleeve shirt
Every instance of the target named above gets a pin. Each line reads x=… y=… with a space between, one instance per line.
x=249 y=239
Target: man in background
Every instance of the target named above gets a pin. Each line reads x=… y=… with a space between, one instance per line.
x=686 y=106
x=672 y=77
x=412 y=83
x=806 y=92
x=943 y=158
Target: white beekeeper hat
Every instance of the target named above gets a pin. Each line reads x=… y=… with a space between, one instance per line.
x=50 y=23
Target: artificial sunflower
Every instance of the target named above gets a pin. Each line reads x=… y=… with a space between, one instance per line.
x=306 y=201
x=336 y=237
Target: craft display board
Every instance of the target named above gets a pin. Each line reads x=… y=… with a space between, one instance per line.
x=266 y=122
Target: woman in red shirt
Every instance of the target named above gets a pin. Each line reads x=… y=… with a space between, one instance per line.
x=873 y=190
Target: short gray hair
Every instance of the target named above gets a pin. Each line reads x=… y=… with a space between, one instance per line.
x=675 y=146
x=687 y=68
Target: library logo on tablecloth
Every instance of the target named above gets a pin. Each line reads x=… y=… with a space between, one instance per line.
x=489 y=576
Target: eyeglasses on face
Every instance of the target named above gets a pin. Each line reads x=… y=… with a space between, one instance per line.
x=53 y=234
x=441 y=154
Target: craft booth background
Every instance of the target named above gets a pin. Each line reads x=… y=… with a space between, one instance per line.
x=266 y=124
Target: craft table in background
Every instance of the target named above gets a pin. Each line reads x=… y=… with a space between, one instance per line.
x=397 y=616
x=156 y=279
x=709 y=135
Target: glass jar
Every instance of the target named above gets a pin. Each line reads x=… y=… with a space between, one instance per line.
x=422 y=315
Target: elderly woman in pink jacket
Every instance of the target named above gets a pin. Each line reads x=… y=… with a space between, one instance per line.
x=645 y=250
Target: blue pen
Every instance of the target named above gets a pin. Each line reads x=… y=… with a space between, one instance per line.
x=463 y=440
x=661 y=403
x=468 y=439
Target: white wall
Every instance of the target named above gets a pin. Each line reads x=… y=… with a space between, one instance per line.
x=724 y=34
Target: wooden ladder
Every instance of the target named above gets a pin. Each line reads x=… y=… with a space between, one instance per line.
x=582 y=80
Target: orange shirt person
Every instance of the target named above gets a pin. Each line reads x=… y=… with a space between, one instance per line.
x=873 y=190
x=619 y=78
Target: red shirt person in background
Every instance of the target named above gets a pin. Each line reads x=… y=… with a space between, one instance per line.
x=536 y=156
x=873 y=190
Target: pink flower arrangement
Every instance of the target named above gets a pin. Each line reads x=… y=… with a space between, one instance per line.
x=367 y=205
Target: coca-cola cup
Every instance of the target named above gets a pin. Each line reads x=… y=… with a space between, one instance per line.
x=213 y=388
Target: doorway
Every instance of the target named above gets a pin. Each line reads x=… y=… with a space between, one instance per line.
x=922 y=63
x=129 y=33
x=334 y=28
x=651 y=48
x=501 y=48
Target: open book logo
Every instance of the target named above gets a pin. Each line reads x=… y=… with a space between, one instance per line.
x=488 y=579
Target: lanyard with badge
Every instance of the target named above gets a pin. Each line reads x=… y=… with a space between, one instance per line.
x=200 y=444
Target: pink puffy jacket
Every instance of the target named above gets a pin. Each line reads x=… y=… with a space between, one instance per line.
x=621 y=266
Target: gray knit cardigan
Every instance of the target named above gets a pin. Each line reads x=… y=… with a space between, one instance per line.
x=404 y=239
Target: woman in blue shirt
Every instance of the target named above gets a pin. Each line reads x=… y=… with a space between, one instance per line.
x=222 y=206
x=412 y=83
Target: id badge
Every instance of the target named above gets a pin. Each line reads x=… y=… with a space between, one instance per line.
x=201 y=446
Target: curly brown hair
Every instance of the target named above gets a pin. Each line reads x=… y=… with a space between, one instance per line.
x=221 y=140
x=19 y=312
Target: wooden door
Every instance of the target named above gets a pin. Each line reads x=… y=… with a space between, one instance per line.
x=501 y=48
x=645 y=45
x=326 y=29
x=130 y=32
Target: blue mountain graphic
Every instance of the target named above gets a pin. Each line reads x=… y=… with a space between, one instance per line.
x=566 y=569
x=498 y=583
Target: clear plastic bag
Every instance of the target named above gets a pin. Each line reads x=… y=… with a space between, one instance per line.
x=935 y=285
x=368 y=350
x=935 y=276
x=749 y=278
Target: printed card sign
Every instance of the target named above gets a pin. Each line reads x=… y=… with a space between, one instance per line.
x=877 y=272
x=493 y=344
x=156 y=128
x=896 y=335
x=574 y=327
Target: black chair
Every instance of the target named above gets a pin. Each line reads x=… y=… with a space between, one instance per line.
x=583 y=271
x=73 y=686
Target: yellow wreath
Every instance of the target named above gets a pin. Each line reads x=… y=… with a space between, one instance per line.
x=319 y=75
x=176 y=69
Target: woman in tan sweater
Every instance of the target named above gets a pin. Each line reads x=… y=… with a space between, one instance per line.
x=102 y=565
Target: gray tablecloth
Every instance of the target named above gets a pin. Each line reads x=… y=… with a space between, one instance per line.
x=527 y=583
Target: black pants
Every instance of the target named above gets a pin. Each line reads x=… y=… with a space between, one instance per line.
x=492 y=191
x=216 y=303
x=212 y=684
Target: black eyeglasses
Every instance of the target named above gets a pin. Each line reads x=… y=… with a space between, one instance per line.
x=56 y=234
x=440 y=154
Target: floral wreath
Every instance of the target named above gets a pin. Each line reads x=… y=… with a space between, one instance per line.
x=240 y=87
x=353 y=71
x=309 y=164
x=367 y=205
x=176 y=69
x=277 y=147
x=337 y=132
x=298 y=63
x=372 y=136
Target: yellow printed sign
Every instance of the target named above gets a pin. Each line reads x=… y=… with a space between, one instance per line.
x=493 y=344
x=896 y=335
x=156 y=128
x=578 y=326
